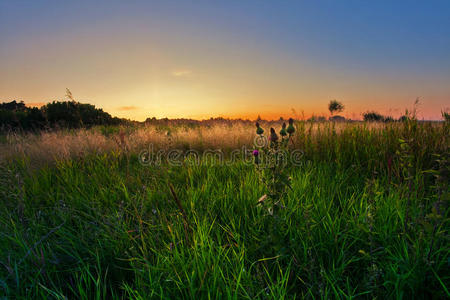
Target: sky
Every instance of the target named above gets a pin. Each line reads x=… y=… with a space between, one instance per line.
x=235 y=59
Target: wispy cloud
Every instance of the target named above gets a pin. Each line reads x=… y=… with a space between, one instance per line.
x=126 y=108
x=35 y=104
x=181 y=73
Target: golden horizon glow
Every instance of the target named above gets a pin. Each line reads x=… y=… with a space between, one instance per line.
x=267 y=113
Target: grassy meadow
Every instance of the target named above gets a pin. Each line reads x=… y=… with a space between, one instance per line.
x=365 y=215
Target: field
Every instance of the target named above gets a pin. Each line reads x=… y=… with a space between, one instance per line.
x=93 y=214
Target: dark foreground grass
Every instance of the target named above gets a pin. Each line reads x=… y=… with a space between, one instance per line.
x=105 y=227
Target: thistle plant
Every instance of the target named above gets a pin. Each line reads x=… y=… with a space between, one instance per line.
x=259 y=130
x=290 y=130
x=283 y=131
x=271 y=163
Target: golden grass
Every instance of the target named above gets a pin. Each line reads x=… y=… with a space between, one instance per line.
x=56 y=145
x=49 y=146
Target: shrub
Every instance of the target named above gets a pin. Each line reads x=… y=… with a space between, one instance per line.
x=372 y=116
x=337 y=119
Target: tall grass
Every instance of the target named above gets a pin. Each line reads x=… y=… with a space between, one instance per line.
x=92 y=222
x=327 y=140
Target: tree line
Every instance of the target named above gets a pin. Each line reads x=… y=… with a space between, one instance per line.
x=72 y=114
x=57 y=114
x=369 y=116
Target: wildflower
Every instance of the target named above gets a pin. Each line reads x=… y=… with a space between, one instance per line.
x=256 y=154
x=290 y=128
x=259 y=130
x=283 y=130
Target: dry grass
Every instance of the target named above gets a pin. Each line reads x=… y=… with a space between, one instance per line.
x=57 y=145
x=49 y=146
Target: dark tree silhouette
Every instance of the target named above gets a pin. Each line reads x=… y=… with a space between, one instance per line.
x=67 y=114
x=335 y=106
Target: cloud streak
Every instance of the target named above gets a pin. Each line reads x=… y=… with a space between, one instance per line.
x=181 y=73
x=127 y=108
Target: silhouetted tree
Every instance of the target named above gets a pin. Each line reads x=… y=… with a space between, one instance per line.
x=73 y=114
x=67 y=114
x=7 y=118
x=13 y=106
x=335 y=106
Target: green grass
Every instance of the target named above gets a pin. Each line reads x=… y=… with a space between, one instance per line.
x=104 y=226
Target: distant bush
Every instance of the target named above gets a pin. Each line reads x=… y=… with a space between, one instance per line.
x=403 y=118
x=388 y=119
x=317 y=119
x=372 y=116
x=337 y=118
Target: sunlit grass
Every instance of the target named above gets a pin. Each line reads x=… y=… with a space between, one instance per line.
x=95 y=223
